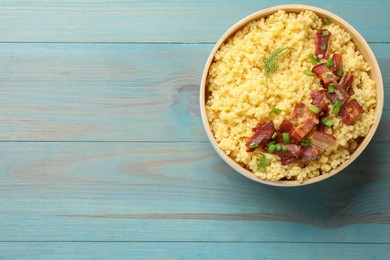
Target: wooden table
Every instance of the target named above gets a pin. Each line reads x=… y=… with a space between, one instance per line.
x=103 y=154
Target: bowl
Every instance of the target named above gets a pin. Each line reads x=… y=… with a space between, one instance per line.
x=361 y=46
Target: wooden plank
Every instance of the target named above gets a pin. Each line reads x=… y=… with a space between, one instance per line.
x=191 y=250
x=112 y=92
x=180 y=192
x=157 y=21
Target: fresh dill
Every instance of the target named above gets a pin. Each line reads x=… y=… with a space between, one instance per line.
x=271 y=64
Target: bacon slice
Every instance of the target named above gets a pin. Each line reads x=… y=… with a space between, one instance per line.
x=310 y=154
x=303 y=129
x=350 y=111
x=262 y=135
x=346 y=82
x=324 y=74
x=298 y=111
x=321 y=141
x=337 y=63
x=339 y=94
x=293 y=154
x=285 y=127
x=304 y=120
x=318 y=97
x=321 y=41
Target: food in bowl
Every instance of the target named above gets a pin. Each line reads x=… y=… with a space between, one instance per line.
x=289 y=96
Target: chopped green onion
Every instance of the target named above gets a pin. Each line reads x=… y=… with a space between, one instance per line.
x=330 y=76
x=340 y=72
x=326 y=21
x=314 y=60
x=264 y=162
x=286 y=138
x=278 y=147
x=331 y=87
x=308 y=73
x=337 y=105
x=253 y=145
x=267 y=162
x=325 y=33
x=329 y=63
x=305 y=142
x=271 y=143
x=274 y=135
x=260 y=155
x=275 y=110
x=284 y=148
x=260 y=166
x=314 y=109
x=323 y=47
x=327 y=122
x=272 y=148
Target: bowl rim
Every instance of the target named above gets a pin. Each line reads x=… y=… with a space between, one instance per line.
x=365 y=51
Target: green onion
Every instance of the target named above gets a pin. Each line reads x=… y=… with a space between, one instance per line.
x=308 y=73
x=330 y=76
x=260 y=155
x=260 y=166
x=323 y=47
x=253 y=145
x=326 y=21
x=284 y=148
x=329 y=63
x=305 y=142
x=331 y=87
x=274 y=135
x=275 y=110
x=267 y=162
x=340 y=72
x=271 y=143
x=278 y=147
x=286 y=138
x=314 y=109
x=325 y=33
x=337 y=105
x=264 y=162
x=272 y=148
x=314 y=60
x=327 y=122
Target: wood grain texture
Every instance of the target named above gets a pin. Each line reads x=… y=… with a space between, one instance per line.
x=180 y=192
x=160 y=21
x=191 y=250
x=111 y=92
x=103 y=155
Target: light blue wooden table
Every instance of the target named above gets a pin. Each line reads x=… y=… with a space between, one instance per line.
x=103 y=154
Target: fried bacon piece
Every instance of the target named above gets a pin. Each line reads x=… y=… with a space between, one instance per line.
x=285 y=127
x=339 y=94
x=293 y=154
x=321 y=41
x=303 y=129
x=337 y=63
x=318 y=97
x=324 y=74
x=350 y=111
x=321 y=141
x=346 y=82
x=262 y=135
x=305 y=121
x=310 y=154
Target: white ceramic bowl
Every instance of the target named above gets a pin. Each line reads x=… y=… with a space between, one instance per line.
x=362 y=47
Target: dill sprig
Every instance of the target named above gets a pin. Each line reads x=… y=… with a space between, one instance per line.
x=271 y=64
